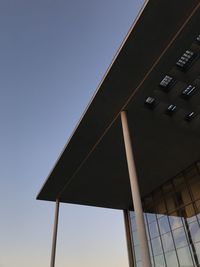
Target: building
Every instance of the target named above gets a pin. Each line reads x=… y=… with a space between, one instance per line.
x=137 y=146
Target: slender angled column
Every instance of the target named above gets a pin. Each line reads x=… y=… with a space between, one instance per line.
x=145 y=254
x=55 y=230
x=129 y=240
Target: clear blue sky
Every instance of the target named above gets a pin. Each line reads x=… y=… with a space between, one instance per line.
x=53 y=54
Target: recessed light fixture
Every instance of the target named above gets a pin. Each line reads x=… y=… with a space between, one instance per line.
x=166 y=82
x=171 y=109
x=188 y=91
x=150 y=102
x=190 y=116
x=198 y=39
x=185 y=60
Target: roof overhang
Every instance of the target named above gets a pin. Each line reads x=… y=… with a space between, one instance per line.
x=92 y=168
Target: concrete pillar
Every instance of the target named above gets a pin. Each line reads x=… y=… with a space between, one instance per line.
x=55 y=230
x=145 y=254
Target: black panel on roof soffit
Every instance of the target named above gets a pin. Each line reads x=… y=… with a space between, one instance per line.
x=82 y=175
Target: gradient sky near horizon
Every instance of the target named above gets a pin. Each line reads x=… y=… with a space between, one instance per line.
x=53 y=54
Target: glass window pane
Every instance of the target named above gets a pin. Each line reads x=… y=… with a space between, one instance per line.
x=182 y=198
x=150 y=249
x=148 y=204
x=139 y=264
x=145 y=218
x=186 y=199
x=137 y=253
x=132 y=214
x=195 y=231
x=147 y=231
x=157 y=195
x=197 y=207
x=189 y=213
x=167 y=188
x=180 y=237
x=151 y=217
x=156 y=245
x=175 y=221
x=135 y=238
x=159 y=261
x=184 y=257
x=133 y=222
x=194 y=183
x=152 y=263
x=164 y=224
x=133 y=227
x=194 y=254
x=167 y=242
x=182 y=192
x=160 y=208
x=171 y=259
x=170 y=202
x=197 y=247
x=153 y=229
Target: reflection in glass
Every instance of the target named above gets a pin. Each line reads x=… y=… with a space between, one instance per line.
x=147 y=231
x=167 y=242
x=157 y=195
x=175 y=221
x=194 y=183
x=170 y=201
x=194 y=254
x=180 y=237
x=185 y=197
x=184 y=257
x=197 y=207
x=159 y=261
x=139 y=264
x=135 y=238
x=145 y=219
x=150 y=217
x=189 y=213
x=163 y=224
x=195 y=231
x=137 y=253
x=161 y=208
x=171 y=259
x=147 y=201
x=172 y=217
x=153 y=229
x=133 y=222
x=149 y=245
x=167 y=188
x=152 y=263
x=156 y=246
x=197 y=247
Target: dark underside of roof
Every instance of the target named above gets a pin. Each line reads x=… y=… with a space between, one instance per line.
x=92 y=169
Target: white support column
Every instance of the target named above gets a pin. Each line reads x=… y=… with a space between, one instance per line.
x=145 y=254
x=129 y=239
x=55 y=230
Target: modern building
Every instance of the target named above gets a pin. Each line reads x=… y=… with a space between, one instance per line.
x=137 y=146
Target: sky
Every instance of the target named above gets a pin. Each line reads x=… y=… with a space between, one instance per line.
x=53 y=55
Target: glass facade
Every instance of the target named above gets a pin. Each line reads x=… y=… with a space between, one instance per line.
x=172 y=218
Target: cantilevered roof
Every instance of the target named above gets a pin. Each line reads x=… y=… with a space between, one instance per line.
x=92 y=168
